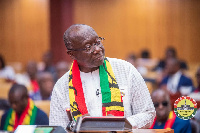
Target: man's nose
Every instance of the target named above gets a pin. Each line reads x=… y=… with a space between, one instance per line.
x=160 y=106
x=96 y=49
x=14 y=106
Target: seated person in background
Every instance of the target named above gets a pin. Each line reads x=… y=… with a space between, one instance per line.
x=133 y=60
x=61 y=68
x=47 y=64
x=198 y=80
x=23 y=111
x=197 y=119
x=4 y=105
x=29 y=77
x=175 y=81
x=169 y=53
x=46 y=83
x=165 y=117
x=6 y=72
x=145 y=60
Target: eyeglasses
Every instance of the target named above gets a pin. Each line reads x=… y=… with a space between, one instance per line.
x=164 y=103
x=91 y=47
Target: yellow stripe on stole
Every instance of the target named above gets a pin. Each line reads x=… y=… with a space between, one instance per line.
x=72 y=97
x=170 y=115
x=71 y=92
x=115 y=92
x=11 y=122
x=27 y=118
x=119 y=108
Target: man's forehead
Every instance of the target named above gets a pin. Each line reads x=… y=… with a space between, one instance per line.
x=160 y=94
x=16 y=96
x=83 y=32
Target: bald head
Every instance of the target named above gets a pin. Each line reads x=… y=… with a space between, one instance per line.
x=17 y=88
x=161 y=101
x=77 y=33
x=18 y=97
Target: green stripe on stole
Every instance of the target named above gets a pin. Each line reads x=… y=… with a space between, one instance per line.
x=105 y=89
x=7 y=119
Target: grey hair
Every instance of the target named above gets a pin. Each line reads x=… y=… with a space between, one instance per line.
x=76 y=31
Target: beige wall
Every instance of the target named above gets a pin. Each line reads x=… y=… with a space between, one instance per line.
x=127 y=25
x=24 y=32
x=132 y=25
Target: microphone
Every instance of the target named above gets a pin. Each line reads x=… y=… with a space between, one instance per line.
x=71 y=124
x=69 y=114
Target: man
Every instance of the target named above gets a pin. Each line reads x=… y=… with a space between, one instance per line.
x=98 y=86
x=176 y=81
x=46 y=82
x=23 y=111
x=165 y=118
x=170 y=52
x=198 y=80
x=29 y=77
x=61 y=68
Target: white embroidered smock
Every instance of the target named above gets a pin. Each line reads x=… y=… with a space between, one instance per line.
x=138 y=105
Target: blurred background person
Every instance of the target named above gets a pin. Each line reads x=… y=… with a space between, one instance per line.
x=145 y=60
x=47 y=64
x=169 y=53
x=165 y=116
x=46 y=83
x=22 y=111
x=6 y=72
x=29 y=77
x=197 y=89
x=132 y=58
x=174 y=80
x=61 y=68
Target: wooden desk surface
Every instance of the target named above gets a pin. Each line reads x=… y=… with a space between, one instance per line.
x=136 y=131
x=153 y=131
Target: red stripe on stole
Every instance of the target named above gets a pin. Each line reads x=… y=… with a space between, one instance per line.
x=21 y=119
x=153 y=124
x=115 y=113
x=76 y=81
x=170 y=122
x=103 y=111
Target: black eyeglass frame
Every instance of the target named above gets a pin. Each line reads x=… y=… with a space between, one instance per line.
x=164 y=103
x=89 y=48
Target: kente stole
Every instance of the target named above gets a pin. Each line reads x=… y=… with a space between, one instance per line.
x=27 y=117
x=169 y=123
x=111 y=97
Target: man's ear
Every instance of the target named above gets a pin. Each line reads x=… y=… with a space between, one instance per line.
x=70 y=53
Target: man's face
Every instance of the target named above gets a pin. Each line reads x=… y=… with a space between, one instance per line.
x=171 y=67
x=198 y=76
x=162 y=105
x=31 y=69
x=18 y=102
x=46 y=84
x=89 y=59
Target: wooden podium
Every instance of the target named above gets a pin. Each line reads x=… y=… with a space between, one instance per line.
x=110 y=125
x=135 y=131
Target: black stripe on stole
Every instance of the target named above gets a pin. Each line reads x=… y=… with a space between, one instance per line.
x=113 y=85
x=70 y=77
x=77 y=112
x=71 y=87
x=113 y=104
